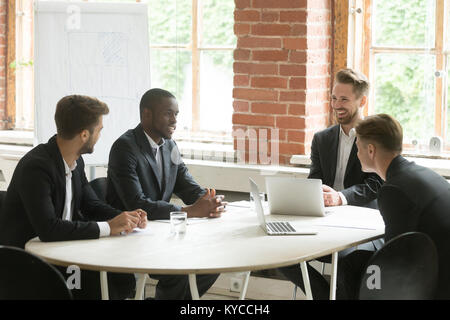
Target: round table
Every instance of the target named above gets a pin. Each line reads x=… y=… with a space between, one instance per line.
x=233 y=243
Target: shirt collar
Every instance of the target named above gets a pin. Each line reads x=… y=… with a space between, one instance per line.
x=68 y=169
x=153 y=144
x=351 y=133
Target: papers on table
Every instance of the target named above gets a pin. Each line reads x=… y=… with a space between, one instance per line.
x=189 y=220
x=240 y=204
x=349 y=217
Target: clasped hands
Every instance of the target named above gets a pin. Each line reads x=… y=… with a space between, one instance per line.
x=330 y=196
x=127 y=221
x=209 y=205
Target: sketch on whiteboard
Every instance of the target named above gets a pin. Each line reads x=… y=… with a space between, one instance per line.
x=104 y=60
x=114 y=48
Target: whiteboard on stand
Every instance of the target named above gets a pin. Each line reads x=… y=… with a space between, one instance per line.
x=94 y=49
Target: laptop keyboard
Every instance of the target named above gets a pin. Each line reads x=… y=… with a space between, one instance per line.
x=281 y=227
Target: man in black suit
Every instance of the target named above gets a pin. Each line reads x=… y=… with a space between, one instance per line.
x=50 y=197
x=333 y=150
x=145 y=169
x=334 y=161
x=412 y=198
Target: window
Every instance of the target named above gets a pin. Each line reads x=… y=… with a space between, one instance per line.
x=191 y=53
x=192 y=43
x=406 y=55
x=22 y=67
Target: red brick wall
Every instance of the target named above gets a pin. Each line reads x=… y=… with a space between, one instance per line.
x=281 y=72
x=3 y=53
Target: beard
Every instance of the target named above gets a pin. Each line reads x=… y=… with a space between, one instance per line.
x=349 y=118
x=88 y=147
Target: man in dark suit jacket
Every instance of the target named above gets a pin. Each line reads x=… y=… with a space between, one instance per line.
x=413 y=198
x=50 y=197
x=334 y=161
x=360 y=188
x=145 y=169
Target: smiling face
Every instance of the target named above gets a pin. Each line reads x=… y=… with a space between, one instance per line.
x=161 y=121
x=346 y=104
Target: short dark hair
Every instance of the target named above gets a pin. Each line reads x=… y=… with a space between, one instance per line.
x=76 y=113
x=381 y=129
x=152 y=97
x=356 y=79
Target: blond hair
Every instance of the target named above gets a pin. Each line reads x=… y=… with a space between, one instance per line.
x=356 y=79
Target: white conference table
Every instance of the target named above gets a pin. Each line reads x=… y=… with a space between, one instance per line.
x=232 y=243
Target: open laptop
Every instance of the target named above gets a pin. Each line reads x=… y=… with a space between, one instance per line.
x=295 y=196
x=274 y=227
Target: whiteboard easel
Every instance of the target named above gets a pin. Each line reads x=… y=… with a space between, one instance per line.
x=94 y=49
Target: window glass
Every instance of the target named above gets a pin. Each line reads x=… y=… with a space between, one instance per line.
x=171 y=69
x=217 y=23
x=170 y=22
x=448 y=102
x=405 y=89
x=216 y=87
x=403 y=23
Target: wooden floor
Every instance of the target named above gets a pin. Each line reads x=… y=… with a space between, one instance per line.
x=258 y=289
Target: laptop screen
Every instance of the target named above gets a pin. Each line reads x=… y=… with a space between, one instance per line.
x=258 y=205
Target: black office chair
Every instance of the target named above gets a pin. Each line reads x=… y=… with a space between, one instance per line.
x=2 y=198
x=406 y=267
x=23 y=276
x=100 y=185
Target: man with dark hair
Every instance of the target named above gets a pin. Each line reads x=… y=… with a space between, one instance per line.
x=412 y=198
x=50 y=197
x=334 y=161
x=145 y=169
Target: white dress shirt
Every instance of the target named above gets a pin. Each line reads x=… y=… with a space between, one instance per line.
x=158 y=157
x=105 y=230
x=344 y=149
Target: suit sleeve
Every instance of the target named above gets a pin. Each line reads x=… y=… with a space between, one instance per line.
x=363 y=193
x=397 y=210
x=36 y=191
x=92 y=207
x=185 y=187
x=122 y=173
x=315 y=171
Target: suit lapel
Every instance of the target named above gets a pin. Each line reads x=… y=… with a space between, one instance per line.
x=334 y=144
x=146 y=150
x=167 y=160
x=76 y=191
x=60 y=189
x=351 y=160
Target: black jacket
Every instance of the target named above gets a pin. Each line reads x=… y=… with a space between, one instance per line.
x=34 y=202
x=415 y=198
x=133 y=181
x=360 y=187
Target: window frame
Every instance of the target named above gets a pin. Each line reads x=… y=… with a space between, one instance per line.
x=441 y=54
x=194 y=46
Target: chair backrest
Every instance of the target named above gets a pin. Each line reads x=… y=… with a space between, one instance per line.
x=405 y=268
x=2 y=198
x=100 y=187
x=23 y=276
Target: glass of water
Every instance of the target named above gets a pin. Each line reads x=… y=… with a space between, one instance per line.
x=178 y=222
